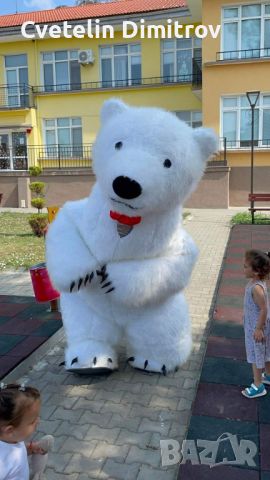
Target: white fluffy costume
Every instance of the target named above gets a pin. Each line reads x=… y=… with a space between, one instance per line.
x=121 y=258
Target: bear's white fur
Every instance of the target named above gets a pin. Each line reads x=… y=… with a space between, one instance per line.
x=147 y=162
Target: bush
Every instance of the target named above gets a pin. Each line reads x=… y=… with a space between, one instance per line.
x=35 y=171
x=37 y=187
x=38 y=203
x=39 y=222
x=244 y=218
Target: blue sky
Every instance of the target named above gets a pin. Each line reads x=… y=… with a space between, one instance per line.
x=9 y=6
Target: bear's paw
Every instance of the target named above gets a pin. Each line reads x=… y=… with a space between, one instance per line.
x=150 y=366
x=76 y=285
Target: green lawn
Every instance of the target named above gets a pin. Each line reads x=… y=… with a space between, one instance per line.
x=245 y=218
x=19 y=248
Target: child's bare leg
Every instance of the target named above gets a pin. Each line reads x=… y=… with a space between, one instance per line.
x=257 y=373
x=267 y=368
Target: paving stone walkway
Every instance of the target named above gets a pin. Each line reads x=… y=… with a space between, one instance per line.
x=110 y=427
x=219 y=410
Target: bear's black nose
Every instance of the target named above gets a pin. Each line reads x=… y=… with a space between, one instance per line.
x=126 y=188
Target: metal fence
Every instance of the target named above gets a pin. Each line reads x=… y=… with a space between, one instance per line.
x=16 y=96
x=48 y=157
x=194 y=78
x=246 y=144
x=243 y=54
x=219 y=159
x=71 y=157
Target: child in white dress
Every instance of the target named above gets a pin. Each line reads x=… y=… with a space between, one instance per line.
x=19 y=417
x=257 y=321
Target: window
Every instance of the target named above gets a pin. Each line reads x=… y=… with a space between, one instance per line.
x=246 y=31
x=63 y=136
x=61 y=71
x=17 y=80
x=121 y=65
x=192 y=118
x=179 y=59
x=236 y=121
x=13 y=150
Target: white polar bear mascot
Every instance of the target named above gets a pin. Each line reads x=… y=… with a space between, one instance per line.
x=121 y=258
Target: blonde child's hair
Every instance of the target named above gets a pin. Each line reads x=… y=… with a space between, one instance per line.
x=14 y=401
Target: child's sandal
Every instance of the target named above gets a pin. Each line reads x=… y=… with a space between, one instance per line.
x=254 y=392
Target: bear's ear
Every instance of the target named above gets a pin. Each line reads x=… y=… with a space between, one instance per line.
x=112 y=107
x=207 y=140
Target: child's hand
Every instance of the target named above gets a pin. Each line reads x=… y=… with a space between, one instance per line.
x=258 y=335
x=34 y=448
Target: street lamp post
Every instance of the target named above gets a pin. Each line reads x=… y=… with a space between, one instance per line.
x=253 y=99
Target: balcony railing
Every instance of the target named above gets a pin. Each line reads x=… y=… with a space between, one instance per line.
x=219 y=159
x=197 y=72
x=246 y=144
x=80 y=156
x=49 y=157
x=193 y=78
x=243 y=54
x=16 y=96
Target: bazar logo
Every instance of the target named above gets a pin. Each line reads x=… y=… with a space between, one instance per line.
x=208 y=452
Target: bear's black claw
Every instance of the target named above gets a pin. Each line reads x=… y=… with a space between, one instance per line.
x=110 y=360
x=79 y=284
x=62 y=364
x=131 y=359
x=145 y=364
x=91 y=277
x=86 y=279
x=111 y=289
x=164 y=371
x=72 y=286
x=104 y=277
x=75 y=360
x=106 y=284
x=95 y=360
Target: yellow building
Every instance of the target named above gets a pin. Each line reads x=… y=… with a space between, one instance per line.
x=236 y=63
x=52 y=89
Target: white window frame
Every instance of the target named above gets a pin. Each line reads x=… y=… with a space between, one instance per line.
x=260 y=107
x=55 y=128
x=174 y=50
x=11 y=156
x=53 y=62
x=192 y=114
x=15 y=87
x=112 y=56
x=240 y=54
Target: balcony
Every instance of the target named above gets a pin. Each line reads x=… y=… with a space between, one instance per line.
x=192 y=78
x=47 y=157
x=61 y=156
x=255 y=53
x=17 y=96
x=246 y=144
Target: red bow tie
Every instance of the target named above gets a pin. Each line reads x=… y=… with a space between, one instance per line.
x=124 y=218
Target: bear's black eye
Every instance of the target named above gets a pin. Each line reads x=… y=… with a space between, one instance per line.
x=118 y=145
x=167 y=163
